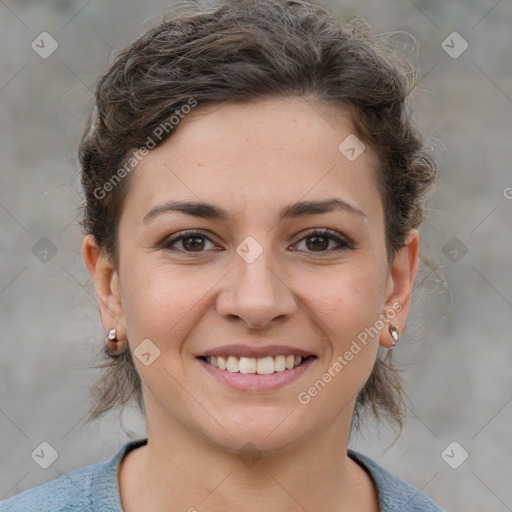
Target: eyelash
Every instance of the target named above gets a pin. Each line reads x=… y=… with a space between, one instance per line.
x=332 y=235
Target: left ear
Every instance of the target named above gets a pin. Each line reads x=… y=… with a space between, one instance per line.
x=399 y=286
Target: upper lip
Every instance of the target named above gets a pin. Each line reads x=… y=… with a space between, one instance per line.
x=256 y=352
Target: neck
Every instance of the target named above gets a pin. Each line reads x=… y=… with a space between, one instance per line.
x=180 y=470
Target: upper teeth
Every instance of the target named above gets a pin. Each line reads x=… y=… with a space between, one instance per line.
x=261 y=366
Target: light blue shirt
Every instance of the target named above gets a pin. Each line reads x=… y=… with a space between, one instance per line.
x=95 y=488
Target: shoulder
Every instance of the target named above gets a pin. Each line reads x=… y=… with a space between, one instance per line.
x=71 y=491
x=394 y=493
x=87 y=489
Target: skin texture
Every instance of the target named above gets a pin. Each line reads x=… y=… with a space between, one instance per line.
x=252 y=160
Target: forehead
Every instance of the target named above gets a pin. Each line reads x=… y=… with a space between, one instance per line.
x=255 y=157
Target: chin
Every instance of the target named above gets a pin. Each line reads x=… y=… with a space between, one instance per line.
x=260 y=430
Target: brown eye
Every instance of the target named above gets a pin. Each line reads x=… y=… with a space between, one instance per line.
x=191 y=242
x=317 y=243
x=321 y=241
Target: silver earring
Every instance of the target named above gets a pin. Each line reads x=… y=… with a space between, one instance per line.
x=394 y=334
x=113 y=346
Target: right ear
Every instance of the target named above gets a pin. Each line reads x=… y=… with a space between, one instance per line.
x=106 y=282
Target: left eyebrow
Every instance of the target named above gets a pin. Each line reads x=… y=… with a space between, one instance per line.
x=315 y=207
x=213 y=212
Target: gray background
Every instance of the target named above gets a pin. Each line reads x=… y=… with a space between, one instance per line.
x=456 y=353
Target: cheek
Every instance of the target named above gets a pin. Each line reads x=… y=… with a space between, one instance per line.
x=347 y=300
x=347 y=305
x=161 y=305
x=158 y=300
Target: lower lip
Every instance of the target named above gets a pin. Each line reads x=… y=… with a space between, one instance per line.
x=255 y=382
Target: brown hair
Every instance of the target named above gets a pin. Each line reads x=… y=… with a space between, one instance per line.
x=243 y=51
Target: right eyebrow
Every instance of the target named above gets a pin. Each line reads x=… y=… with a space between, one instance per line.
x=196 y=209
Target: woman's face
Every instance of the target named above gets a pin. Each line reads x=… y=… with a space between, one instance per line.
x=254 y=284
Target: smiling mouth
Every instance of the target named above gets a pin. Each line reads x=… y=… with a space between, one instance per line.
x=257 y=366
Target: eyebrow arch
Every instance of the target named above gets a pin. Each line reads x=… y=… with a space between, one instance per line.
x=212 y=212
x=194 y=208
x=314 y=207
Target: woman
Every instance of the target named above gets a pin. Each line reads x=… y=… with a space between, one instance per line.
x=253 y=191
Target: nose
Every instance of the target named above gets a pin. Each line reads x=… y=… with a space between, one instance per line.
x=256 y=293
